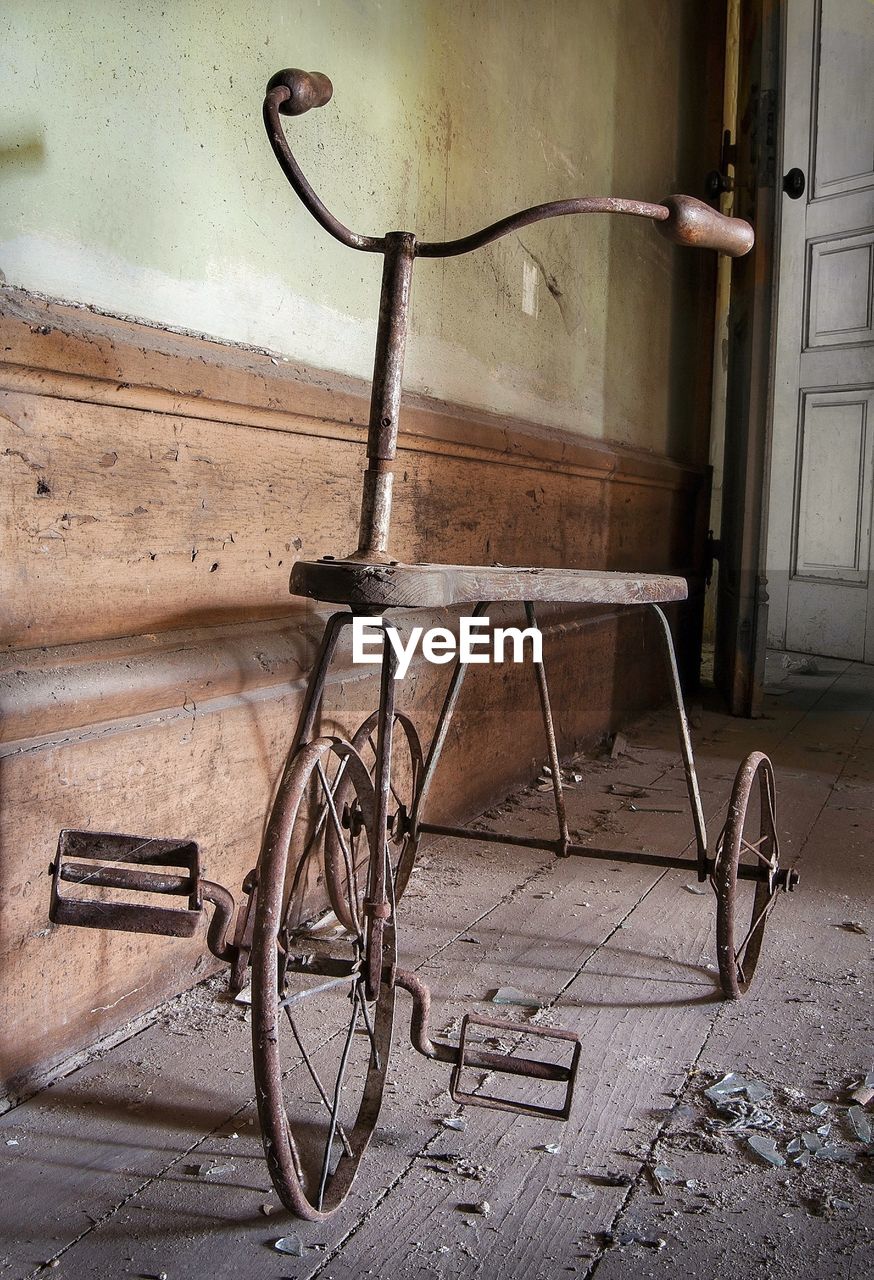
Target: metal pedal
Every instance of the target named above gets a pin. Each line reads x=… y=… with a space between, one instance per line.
x=136 y=864
x=528 y=1068
x=469 y=1055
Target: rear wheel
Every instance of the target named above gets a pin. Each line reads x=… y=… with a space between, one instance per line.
x=747 y=843
x=320 y=1048
x=406 y=776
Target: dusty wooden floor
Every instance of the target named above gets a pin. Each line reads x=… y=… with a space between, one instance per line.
x=98 y=1171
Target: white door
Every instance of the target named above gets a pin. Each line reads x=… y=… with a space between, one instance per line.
x=822 y=462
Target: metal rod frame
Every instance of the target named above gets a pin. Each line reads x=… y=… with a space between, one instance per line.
x=377 y=906
x=562 y=845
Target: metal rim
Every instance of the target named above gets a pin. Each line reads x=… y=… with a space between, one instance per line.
x=738 y=942
x=313 y=1152
x=402 y=842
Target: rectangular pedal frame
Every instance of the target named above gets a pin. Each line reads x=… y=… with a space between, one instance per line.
x=507 y=1104
x=80 y=858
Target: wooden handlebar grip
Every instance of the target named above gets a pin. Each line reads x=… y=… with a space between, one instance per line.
x=306 y=89
x=691 y=222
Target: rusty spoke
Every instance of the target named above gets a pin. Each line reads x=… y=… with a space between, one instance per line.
x=372 y=745
x=337 y=779
x=315 y=1078
x=338 y=1085
x=347 y=856
x=759 y=920
x=365 y=1013
x=756 y=851
x=305 y=856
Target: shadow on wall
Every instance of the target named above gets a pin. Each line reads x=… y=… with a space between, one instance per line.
x=22 y=145
x=659 y=343
x=663 y=336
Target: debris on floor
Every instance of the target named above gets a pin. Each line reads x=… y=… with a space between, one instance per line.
x=610 y=1179
x=512 y=995
x=290 y=1245
x=801 y=666
x=481 y=1207
x=452 y=1162
x=767 y=1149
x=738 y=1101
x=661 y=1175
x=733 y=1084
x=860 y=1123
x=625 y=1236
x=654 y=808
x=863 y=1091
x=209 y=1169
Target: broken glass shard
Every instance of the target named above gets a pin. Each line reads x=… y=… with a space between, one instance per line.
x=291 y=1245
x=511 y=995
x=454 y=1122
x=860 y=1123
x=767 y=1149
x=723 y=1088
x=647 y=1238
x=832 y=1151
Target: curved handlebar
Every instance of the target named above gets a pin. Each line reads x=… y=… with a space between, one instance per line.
x=691 y=222
x=306 y=89
x=681 y=219
x=293 y=92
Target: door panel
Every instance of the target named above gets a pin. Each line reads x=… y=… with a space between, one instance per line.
x=834 y=508
x=843 y=115
x=822 y=463
x=840 y=307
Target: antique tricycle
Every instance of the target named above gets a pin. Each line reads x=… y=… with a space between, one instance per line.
x=318 y=921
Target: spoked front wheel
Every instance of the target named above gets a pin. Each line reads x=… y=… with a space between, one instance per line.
x=746 y=873
x=320 y=1047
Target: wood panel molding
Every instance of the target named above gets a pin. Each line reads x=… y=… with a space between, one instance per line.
x=156 y=482
x=52 y=697
x=52 y=348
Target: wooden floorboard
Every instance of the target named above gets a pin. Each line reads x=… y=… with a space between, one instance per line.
x=102 y=1179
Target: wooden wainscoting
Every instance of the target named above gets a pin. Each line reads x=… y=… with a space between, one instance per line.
x=156 y=489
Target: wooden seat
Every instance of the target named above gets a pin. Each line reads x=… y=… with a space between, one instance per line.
x=398 y=586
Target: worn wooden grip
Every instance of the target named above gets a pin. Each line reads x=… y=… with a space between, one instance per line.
x=691 y=222
x=306 y=89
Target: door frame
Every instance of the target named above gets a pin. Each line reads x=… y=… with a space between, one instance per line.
x=742 y=600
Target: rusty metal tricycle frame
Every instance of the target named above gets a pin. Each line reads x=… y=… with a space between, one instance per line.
x=360 y=805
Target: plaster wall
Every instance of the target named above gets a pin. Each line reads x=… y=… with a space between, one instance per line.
x=137 y=179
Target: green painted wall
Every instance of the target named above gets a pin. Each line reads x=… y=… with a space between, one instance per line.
x=137 y=178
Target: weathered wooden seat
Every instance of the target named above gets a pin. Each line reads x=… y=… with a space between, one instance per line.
x=398 y=586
